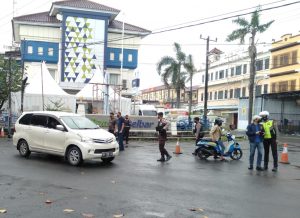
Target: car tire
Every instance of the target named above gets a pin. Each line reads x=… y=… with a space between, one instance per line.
x=107 y=160
x=74 y=156
x=23 y=148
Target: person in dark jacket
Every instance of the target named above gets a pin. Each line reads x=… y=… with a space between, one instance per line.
x=127 y=126
x=255 y=136
x=197 y=130
x=161 y=128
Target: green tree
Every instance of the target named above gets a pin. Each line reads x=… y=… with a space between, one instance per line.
x=16 y=78
x=252 y=28
x=191 y=71
x=170 y=70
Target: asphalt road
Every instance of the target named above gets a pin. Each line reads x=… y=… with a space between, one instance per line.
x=136 y=185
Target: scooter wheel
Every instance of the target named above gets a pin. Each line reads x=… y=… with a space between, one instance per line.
x=236 y=154
x=202 y=155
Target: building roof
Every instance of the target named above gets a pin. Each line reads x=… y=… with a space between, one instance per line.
x=115 y=24
x=42 y=17
x=85 y=4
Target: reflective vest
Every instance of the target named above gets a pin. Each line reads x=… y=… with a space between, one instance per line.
x=267 y=127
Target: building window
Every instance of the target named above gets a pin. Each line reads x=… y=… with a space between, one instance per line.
x=114 y=79
x=216 y=75
x=237 y=93
x=275 y=62
x=226 y=73
x=259 y=65
x=294 y=57
x=220 y=94
x=203 y=78
x=244 y=92
x=231 y=93
x=112 y=56
x=284 y=59
x=210 y=96
x=267 y=63
x=293 y=85
x=244 y=68
x=226 y=94
x=216 y=95
x=120 y=57
x=40 y=50
x=130 y=58
x=232 y=71
x=29 y=49
x=283 y=86
x=202 y=96
x=238 y=70
x=124 y=84
x=221 y=74
x=212 y=76
x=273 y=87
x=50 y=51
x=265 y=88
x=258 y=90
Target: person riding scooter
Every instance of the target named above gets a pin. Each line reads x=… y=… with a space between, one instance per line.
x=216 y=134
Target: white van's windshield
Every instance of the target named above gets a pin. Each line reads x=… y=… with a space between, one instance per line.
x=77 y=122
x=149 y=113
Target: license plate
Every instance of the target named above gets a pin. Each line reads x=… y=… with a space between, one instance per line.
x=107 y=154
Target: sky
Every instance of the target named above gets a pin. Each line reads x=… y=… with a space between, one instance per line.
x=156 y=15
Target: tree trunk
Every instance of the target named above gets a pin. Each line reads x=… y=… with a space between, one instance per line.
x=190 y=96
x=252 y=54
x=177 y=97
x=1 y=104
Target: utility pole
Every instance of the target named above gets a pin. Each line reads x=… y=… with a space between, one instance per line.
x=9 y=98
x=206 y=81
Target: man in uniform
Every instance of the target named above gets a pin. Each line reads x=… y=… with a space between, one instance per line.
x=270 y=133
x=162 y=127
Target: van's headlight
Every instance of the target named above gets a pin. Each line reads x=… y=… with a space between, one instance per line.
x=87 y=139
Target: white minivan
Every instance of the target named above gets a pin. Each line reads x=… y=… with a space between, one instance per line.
x=65 y=134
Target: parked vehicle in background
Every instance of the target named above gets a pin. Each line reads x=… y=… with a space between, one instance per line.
x=65 y=134
x=144 y=110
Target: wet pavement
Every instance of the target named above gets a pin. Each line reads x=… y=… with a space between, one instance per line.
x=136 y=185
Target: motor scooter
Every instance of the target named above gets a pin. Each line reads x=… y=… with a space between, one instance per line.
x=206 y=148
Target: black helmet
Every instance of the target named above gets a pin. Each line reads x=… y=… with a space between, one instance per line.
x=218 y=122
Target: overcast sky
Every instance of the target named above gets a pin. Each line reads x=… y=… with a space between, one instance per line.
x=157 y=14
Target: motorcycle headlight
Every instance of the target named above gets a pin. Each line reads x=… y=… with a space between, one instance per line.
x=86 y=139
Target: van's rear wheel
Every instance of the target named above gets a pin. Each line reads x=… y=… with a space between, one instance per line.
x=74 y=156
x=24 y=148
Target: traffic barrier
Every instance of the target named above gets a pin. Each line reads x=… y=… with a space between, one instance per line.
x=177 y=148
x=2 y=135
x=284 y=155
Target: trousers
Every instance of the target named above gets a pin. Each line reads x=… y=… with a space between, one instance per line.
x=267 y=144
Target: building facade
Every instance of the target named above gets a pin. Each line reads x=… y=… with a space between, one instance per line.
x=283 y=101
x=228 y=81
x=77 y=37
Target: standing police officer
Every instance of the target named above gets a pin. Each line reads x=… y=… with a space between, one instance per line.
x=270 y=133
x=161 y=128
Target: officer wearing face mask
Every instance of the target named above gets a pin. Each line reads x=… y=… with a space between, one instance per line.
x=270 y=134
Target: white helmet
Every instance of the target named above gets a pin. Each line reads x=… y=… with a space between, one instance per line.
x=264 y=113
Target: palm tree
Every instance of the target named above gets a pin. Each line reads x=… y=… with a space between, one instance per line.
x=252 y=28
x=191 y=70
x=172 y=76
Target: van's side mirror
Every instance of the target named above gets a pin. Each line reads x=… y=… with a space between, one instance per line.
x=60 y=127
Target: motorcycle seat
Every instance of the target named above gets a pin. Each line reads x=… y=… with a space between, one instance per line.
x=207 y=139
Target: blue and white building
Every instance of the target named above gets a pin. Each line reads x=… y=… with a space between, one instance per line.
x=76 y=36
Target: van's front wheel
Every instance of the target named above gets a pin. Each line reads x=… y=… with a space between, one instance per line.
x=23 y=148
x=74 y=156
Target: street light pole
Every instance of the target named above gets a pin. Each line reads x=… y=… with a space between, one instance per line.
x=9 y=98
x=206 y=82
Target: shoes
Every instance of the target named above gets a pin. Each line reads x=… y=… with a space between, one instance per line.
x=274 y=169
x=265 y=168
x=161 y=160
x=250 y=168
x=259 y=169
x=169 y=157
